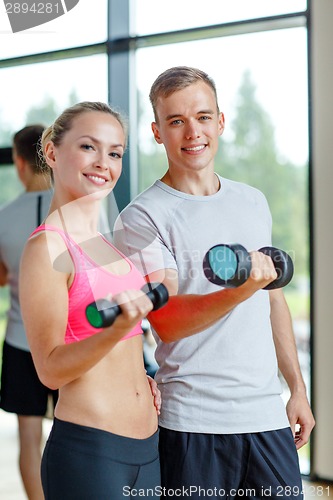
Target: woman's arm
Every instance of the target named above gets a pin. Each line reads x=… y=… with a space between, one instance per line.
x=44 y=305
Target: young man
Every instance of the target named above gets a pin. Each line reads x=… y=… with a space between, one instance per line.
x=224 y=430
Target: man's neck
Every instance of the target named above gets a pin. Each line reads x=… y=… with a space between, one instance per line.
x=198 y=184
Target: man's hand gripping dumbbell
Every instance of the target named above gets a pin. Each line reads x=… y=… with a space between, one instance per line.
x=230 y=265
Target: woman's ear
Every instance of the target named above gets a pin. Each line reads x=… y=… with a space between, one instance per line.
x=50 y=154
x=156 y=133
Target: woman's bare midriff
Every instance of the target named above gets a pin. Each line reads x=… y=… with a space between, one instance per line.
x=114 y=396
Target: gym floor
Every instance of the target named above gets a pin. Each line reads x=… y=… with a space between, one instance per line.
x=10 y=482
x=11 y=487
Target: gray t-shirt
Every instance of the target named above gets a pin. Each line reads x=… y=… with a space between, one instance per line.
x=17 y=221
x=225 y=378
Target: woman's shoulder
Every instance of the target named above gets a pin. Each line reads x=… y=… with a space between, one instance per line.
x=45 y=246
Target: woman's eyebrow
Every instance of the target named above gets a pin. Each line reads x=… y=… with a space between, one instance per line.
x=94 y=139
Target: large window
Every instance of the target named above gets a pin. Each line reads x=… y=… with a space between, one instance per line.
x=44 y=89
x=277 y=73
x=180 y=15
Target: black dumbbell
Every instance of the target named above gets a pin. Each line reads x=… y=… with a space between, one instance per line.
x=103 y=313
x=230 y=265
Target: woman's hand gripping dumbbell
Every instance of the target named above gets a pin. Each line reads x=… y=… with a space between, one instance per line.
x=103 y=313
x=230 y=265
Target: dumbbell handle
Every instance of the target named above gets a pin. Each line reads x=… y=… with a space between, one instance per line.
x=103 y=313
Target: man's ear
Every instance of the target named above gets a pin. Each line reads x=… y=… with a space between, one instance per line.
x=156 y=133
x=221 y=123
x=21 y=167
x=19 y=162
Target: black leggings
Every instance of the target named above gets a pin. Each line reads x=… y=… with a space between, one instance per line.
x=84 y=463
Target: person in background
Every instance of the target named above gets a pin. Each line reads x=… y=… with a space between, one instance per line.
x=223 y=424
x=21 y=390
x=104 y=439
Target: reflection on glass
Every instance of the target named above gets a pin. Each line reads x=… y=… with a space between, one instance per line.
x=39 y=92
x=181 y=15
x=261 y=82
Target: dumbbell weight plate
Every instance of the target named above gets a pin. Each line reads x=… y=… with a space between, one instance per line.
x=283 y=265
x=102 y=313
x=227 y=265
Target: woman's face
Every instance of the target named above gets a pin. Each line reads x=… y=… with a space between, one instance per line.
x=89 y=159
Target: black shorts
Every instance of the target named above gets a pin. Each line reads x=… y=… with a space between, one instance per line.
x=21 y=390
x=230 y=466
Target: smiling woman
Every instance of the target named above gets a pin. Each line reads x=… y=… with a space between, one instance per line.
x=87 y=147
x=105 y=401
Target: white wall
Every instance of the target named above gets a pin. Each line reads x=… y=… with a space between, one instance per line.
x=322 y=119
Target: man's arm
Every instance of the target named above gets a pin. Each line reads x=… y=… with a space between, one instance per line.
x=3 y=274
x=298 y=408
x=186 y=315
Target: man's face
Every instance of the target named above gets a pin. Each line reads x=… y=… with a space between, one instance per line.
x=189 y=125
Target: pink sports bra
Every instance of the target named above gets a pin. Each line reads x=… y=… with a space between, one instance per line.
x=92 y=282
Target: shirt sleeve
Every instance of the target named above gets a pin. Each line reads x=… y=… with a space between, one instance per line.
x=137 y=236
